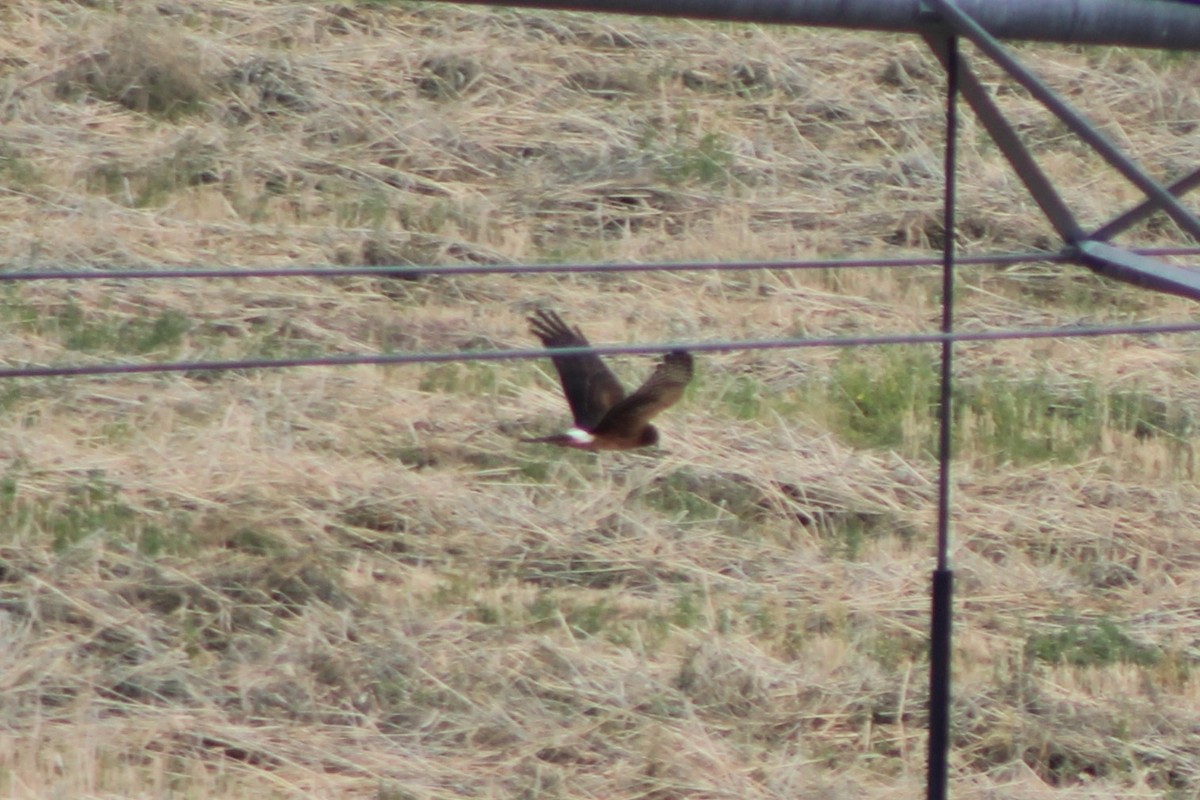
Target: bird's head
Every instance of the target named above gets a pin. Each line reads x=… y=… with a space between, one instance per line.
x=649 y=436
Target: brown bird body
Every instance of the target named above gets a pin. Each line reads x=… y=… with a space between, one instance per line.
x=605 y=418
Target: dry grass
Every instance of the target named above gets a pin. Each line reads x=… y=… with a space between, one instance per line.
x=352 y=583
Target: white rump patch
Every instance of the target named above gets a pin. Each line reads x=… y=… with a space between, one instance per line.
x=580 y=436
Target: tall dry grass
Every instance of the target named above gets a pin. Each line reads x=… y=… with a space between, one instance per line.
x=353 y=583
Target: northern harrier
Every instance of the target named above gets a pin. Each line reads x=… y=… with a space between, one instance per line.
x=605 y=419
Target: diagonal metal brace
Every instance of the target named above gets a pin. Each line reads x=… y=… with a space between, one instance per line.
x=1076 y=122
x=1023 y=163
x=1144 y=271
x=1144 y=209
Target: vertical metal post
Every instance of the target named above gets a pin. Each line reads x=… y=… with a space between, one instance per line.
x=943 y=577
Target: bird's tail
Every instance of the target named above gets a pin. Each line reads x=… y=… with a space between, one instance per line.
x=575 y=437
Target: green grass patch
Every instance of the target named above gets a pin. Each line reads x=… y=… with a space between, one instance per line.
x=691 y=497
x=257 y=542
x=892 y=649
x=1090 y=644
x=471 y=377
x=370 y=209
x=274 y=336
x=887 y=399
x=91 y=506
x=686 y=155
x=706 y=159
x=746 y=397
x=17 y=171
x=162 y=333
x=96 y=330
x=586 y=619
x=153 y=183
x=886 y=402
x=1032 y=420
x=676 y=496
x=1082 y=291
x=845 y=532
x=648 y=631
x=1026 y=422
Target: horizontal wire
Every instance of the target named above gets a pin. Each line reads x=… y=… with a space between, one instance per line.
x=502 y=269
x=634 y=349
x=510 y=269
x=526 y=269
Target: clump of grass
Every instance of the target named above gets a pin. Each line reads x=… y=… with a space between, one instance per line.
x=145 y=66
x=447 y=76
x=268 y=84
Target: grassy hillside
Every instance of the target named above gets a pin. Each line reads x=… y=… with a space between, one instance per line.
x=355 y=583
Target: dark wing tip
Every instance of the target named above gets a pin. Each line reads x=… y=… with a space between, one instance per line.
x=679 y=356
x=681 y=364
x=548 y=326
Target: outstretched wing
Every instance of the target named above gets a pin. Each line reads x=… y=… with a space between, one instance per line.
x=663 y=388
x=590 y=387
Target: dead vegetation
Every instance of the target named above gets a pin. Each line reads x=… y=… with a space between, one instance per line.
x=352 y=583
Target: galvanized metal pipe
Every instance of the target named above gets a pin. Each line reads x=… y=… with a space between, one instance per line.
x=1165 y=24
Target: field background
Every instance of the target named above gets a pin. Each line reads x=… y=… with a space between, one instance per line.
x=354 y=583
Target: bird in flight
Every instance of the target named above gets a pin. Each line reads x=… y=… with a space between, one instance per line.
x=605 y=419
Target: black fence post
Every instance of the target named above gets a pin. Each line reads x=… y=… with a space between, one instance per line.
x=943 y=577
